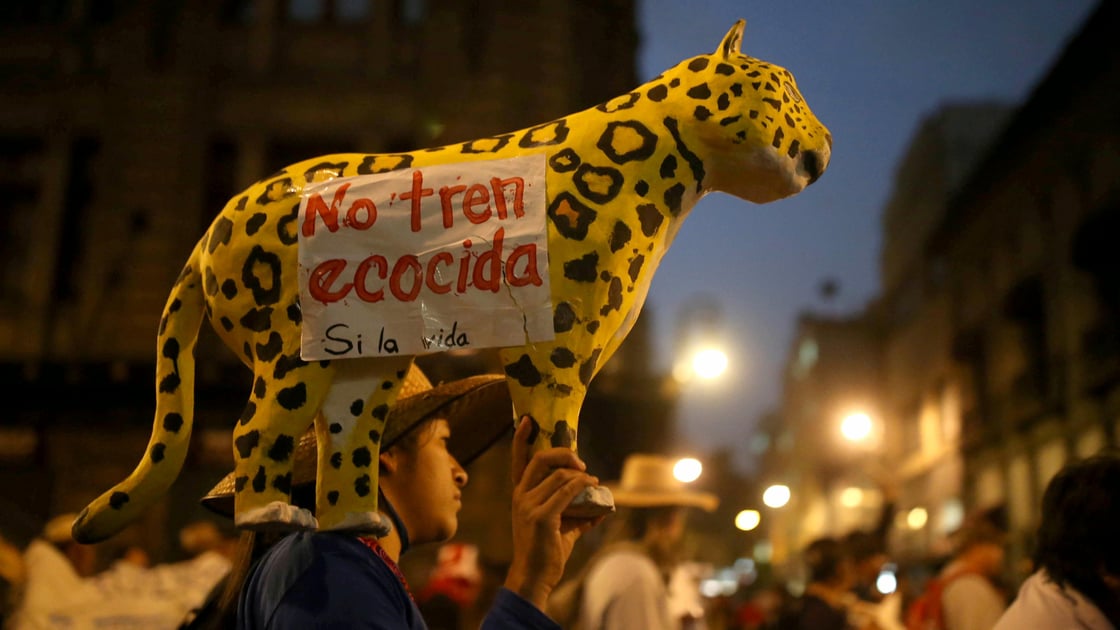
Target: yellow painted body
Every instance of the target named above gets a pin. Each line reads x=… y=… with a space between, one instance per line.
x=620 y=178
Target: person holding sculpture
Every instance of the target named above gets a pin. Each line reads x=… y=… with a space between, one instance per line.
x=338 y=579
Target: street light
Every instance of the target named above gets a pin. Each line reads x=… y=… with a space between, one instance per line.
x=856 y=427
x=709 y=363
x=698 y=342
x=706 y=364
x=851 y=497
x=687 y=469
x=916 y=518
x=747 y=520
x=776 y=496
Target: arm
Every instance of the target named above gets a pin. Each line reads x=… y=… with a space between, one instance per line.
x=889 y=489
x=544 y=484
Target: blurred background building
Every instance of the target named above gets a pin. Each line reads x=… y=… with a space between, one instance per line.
x=992 y=354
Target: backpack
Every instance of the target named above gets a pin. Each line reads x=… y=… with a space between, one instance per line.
x=925 y=612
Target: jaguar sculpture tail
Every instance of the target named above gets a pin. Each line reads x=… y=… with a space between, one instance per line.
x=171 y=433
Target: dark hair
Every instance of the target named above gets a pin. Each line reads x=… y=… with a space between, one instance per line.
x=1077 y=535
x=861 y=545
x=632 y=523
x=824 y=557
x=985 y=526
x=417 y=435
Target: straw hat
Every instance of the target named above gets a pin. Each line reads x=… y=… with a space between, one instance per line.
x=478 y=410
x=648 y=481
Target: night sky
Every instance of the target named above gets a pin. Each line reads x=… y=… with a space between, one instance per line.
x=870 y=71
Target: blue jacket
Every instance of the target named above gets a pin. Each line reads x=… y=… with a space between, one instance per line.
x=331 y=580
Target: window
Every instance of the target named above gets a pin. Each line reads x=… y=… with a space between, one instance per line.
x=412 y=11
x=80 y=195
x=807 y=354
x=20 y=172
x=237 y=12
x=352 y=10
x=306 y=10
x=911 y=429
x=319 y=11
x=220 y=185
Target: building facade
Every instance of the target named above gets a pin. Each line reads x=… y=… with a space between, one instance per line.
x=996 y=329
x=124 y=129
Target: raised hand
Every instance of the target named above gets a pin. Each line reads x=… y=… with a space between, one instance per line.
x=543 y=485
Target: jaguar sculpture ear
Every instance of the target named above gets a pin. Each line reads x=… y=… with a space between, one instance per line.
x=732 y=41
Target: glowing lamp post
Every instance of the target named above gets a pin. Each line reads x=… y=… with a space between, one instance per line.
x=687 y=469
x=776 y=496
x=856 y=427
x=851 y=497
x=709 y=363
x=747 y=520
x=916 y=518
x=699 y=343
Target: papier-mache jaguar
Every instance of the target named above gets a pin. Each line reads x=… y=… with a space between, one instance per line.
x=620 y=178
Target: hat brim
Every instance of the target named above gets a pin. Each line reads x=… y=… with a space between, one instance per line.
x=683 y=498
x=478 y=410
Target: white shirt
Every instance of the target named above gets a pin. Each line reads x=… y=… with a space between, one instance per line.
x=125 y=596
x=624 y=590
x=1043 y=604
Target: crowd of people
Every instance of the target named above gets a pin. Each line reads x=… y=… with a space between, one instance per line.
x=308 y=579
x=54 y=582
x=1075 y=583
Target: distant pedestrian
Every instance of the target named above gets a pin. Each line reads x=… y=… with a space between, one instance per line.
x=965 y=594
x=625 y=584
x=827 y=603
x=867 y=548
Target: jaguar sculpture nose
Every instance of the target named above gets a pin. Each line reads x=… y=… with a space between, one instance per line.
x=815 y=162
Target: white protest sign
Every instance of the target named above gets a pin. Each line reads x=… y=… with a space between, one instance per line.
x=424 y=260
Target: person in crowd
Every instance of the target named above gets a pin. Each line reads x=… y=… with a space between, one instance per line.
x=760 y=606
x=62 y=588
x=338 y=579
x=1077 y=555
x=55 y=568
x=971 y=597
x=625 y=584
x=868 y=548
x=965 y=594
x=827 y=603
